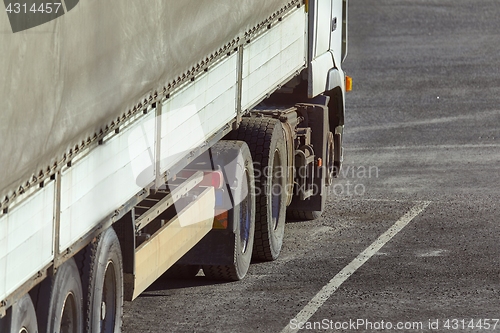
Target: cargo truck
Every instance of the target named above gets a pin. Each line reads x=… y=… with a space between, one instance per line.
x=145 y=139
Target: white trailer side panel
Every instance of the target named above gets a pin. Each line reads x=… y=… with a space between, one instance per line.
x=275 y=55
x=195 y=113
x=104 y=179
x=26 y=238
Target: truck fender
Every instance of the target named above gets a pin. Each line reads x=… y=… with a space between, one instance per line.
x=335 y=79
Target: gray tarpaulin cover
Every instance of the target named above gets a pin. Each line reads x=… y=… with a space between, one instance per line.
x=62 y=81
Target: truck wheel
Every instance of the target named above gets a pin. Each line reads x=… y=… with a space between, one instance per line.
x=60 y=301
x=23 y=318
x=266 y=140
x=103 y=284
x=239 y=178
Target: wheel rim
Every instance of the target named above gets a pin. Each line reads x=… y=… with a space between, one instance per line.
x=69 y=318
x=23 y=330
x=245 y=216
x=108 y=307
x=276 y=190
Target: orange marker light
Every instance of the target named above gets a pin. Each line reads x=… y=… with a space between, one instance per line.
x=348 y=83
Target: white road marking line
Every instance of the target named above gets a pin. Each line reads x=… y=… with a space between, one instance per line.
x=324 y=294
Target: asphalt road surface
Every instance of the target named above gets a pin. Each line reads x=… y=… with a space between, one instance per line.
x=411 y=237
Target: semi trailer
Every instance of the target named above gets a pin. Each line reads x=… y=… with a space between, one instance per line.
x=147 y=139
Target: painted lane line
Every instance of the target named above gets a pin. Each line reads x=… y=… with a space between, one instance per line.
x=324 y=294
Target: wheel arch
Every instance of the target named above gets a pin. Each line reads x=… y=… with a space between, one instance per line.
x=336 y=105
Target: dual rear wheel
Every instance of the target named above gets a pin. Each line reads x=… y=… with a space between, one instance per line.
x=66 y=305
x=258 y=187
x=265 y=138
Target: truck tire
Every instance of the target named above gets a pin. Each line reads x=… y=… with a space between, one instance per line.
x=23 y=318
x=266 y=140
x=239 y=178
x=103 y=284
x=59 y=303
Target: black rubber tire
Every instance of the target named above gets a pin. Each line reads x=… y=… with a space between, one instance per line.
x=60 y=301
x=24 y=316
x=236 y=161
x=266 y=139
x=103 y=284
x=178 y=271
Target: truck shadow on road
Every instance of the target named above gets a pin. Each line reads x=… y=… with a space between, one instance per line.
x=172 y=284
